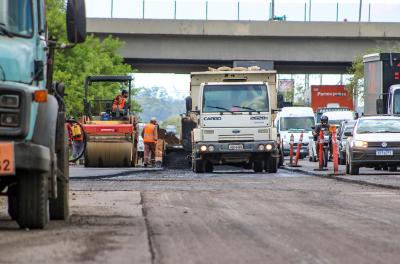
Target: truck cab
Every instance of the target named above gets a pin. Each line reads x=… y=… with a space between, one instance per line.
x=233 y=112
x=33 y=159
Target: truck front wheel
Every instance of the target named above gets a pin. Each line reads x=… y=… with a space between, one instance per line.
x=198 y=166
x=12 y=202
x=257 y=166
x=33 y=204
x=271 y=165
x=59 y=207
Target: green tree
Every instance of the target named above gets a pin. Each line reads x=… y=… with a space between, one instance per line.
x=94 y=57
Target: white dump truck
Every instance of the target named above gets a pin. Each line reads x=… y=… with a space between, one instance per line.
x=230 y=116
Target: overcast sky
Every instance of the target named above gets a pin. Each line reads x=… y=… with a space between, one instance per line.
x=322 y=10
x=177 y=85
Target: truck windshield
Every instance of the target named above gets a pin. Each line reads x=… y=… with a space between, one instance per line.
x=296 y=123
x=235 y=98
x=16 y=18
x=396 y=102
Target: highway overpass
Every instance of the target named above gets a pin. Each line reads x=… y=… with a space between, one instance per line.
x=181 y=46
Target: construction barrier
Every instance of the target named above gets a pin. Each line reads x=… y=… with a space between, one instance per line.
x=321 y=150
x=298 y=150
x=291 y=150
x=335 y=151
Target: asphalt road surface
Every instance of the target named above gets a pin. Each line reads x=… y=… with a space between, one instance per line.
x=224 y=217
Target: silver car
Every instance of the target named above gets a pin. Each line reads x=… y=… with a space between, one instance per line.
x=374 y=143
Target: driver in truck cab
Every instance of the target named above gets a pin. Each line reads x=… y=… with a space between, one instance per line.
x=119 y=101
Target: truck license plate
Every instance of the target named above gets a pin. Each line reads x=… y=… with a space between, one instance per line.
x=235 y=147
x=384 y=152
x=7 y=159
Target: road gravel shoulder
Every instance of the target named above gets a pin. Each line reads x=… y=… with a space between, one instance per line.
x=370 y=177
x=105 y=227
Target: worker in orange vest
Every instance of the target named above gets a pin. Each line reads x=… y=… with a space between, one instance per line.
x=119 y=101
x=150 y=137
x=77 y=141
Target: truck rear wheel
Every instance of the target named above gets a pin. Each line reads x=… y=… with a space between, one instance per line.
x=33 y=204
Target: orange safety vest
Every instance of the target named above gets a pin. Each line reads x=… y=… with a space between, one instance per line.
x=149 y=133
x=119 y=102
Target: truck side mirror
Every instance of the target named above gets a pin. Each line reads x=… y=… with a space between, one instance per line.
x=280 y=101
x=379 y=106
x=76 y=21
x=188 y=104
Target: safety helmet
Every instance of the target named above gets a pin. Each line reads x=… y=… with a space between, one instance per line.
x=153 y=119
x=324 y=119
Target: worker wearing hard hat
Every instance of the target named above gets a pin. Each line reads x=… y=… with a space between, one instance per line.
x=119 y=101
x=150 y=137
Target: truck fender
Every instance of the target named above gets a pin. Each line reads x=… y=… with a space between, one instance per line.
x=45 y=134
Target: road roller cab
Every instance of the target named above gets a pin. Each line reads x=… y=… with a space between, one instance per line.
x=111 y=135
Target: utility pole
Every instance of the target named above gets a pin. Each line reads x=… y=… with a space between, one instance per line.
x=309 y=11
x=112 y=7
x=359 y=11
x=272 y=9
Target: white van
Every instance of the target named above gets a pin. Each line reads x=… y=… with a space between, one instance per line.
x=294 y=120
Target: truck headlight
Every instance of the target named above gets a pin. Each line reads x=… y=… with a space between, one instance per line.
x=203 y=148
x=211 y=148
x=261 y=147
x=360 y=144
x=9 y=120
x=9 y=101
x=268 y=147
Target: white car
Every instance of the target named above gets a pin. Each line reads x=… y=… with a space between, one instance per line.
x=374 y=143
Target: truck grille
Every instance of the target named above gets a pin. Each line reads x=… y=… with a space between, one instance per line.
x=243 y=137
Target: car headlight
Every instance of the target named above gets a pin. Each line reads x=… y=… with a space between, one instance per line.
x=203 y=148
x=268 y=147
x=360 y=144
x=261 y=147
x=211 y=148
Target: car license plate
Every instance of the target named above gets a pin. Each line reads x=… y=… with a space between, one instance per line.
x=7 y=159
x=235 y=147
x=384 y=152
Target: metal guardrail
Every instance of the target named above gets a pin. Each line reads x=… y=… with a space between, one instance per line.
x=299 y=10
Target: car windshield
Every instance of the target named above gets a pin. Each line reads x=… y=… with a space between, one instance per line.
x=16 y=17
x=235 y=98
x=296 y=123
x=378 y=126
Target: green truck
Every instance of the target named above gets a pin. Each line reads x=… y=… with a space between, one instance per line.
x=33 y=149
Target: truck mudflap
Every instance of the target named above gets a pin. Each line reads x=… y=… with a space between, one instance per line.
x=29 y=156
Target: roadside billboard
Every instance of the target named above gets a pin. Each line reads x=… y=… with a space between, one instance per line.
x=330 y=96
